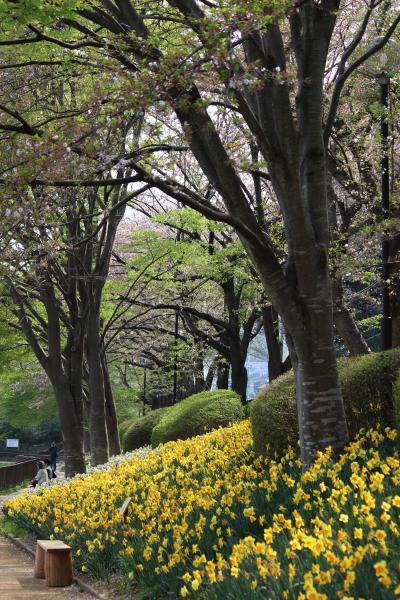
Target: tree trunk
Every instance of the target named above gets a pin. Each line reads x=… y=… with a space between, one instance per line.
x=114 y=444
x=199 y=380
x=321 y=416
x=319 y=404
x=395 y=288
x=97 y=417
x=71 y=427
x=239 y=378
x=274 y=346
x=238 y=369
x=396 y=330
x=345 y=324
x=223 y=375
x=210 y=374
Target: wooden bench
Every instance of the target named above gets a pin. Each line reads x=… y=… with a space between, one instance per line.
x=53 y=562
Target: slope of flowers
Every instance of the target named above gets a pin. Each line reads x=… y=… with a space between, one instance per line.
x=208 y=519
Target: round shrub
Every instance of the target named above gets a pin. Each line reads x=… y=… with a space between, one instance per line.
x=124 y=426
x=138 y=433
x=371 y=394
x=196 y=414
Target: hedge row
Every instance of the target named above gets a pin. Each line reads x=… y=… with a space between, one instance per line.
x=197 y=414
x=138 y=433
x=371 y=394
x=193 y=416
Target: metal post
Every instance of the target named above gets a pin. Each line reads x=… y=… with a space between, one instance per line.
x=386 y=326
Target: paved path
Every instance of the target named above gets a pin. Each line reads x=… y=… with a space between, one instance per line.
x=17 y=581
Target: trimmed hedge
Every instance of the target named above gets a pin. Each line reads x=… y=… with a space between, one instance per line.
x=124 y=426
x=138 y=433
x=197 y=414
x=371 y=390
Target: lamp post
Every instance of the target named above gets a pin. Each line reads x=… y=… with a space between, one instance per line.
x=382 y=65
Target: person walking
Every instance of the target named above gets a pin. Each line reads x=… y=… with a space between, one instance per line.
x=53 y=457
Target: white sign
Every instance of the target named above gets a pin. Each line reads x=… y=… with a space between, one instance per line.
x=12 y=443
x=123 y=511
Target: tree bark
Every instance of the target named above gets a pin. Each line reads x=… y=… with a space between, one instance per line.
x=396 y=329
x=223 y=375
x=210 y=375
x=114 y=443
x=395 y=290
x=274 y=345
x=71 y=427
x=238 y=371
x=396 y=311
x=345 y=324
x=198 y=374
x=321 y=416
x=97 y=416
x=63 y=370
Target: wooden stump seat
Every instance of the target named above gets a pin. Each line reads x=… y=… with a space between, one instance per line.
x=53 y=562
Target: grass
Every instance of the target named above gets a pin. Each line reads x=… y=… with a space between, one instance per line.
x=15 y=488
x=10 y=527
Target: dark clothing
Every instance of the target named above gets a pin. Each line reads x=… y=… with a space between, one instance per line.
x=50 y=473
x=53 y=458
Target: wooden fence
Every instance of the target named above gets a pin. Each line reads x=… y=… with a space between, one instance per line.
x=16 y=474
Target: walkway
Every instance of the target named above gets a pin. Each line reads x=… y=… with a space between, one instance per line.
x=17 y=581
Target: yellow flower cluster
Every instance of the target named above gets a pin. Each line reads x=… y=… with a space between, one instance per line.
x=210 y=519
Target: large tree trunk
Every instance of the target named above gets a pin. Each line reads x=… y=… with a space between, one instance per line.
x=321 y=416
x=319 y=403
x=345 y=324
x=114 y=444
x=71 y=424
x=97 y=417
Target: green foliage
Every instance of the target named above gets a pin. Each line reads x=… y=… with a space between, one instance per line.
x=10 y=527
x=14 y=488
x=370 y=386
x=138 y=431
x=34 y=439
x=26 y=397
x=124 y=425
x=273 y=415
x=127 y=402
x=197 y=414
x=13 y=347
x=36 y=11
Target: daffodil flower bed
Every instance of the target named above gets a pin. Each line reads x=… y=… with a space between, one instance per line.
x=209 y=519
